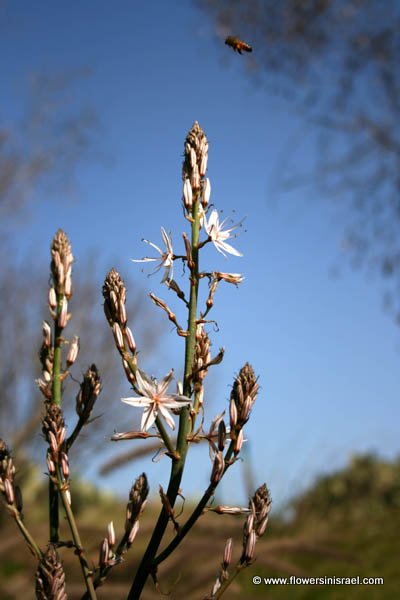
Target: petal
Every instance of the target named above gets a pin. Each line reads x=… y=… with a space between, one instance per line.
x=145 y=259
x=148 y=417
x=138 y=402
x=221 y=246
x=179 y=400
x=167 y=416
x=163 y=385
x=154 y=246
x=145 y=385
x=167 y=240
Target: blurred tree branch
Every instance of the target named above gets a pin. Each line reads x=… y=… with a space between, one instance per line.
x=338 y=62
x=39 y=152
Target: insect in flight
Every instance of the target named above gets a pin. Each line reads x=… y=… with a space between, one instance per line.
x=237 y=44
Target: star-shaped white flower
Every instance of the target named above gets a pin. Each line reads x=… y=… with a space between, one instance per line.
x=153 y=398
x=166 y=258
x=218 y=237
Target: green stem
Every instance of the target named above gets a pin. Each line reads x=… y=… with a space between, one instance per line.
x=197 y=512
x=33 y=547
x=165 y=437
x=178 y=462
x=54 y=519
x=79 y=550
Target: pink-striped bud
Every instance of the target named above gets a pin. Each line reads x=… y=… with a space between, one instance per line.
x=122 y=314
x=250 y=546
x=195 y=178
x=118 y=337
x=227 y=553
x=52 y=298
x=52 y=441
x=111 y=534
x=73 y=351
x=50 y=465
x=103 y=553
x=203 y=164
x=63 y=316
x=64 y=465
x=218 y=468
x=238 y=442
x=132 y=534
x=8 y=491
x=187 y=194
x=233 y=413
x=130 y=340
x=68 y=284
x=206 y=193
x=193 y=157
x=46 y=330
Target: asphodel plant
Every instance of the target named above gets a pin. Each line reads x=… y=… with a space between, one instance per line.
x=184 y=411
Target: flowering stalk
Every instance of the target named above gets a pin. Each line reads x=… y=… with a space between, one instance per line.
x=50 y=384
x=59 y=294
x=196 y=146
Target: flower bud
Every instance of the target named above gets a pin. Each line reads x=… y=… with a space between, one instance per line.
x=111 y=534
x=227 y=553
x=73 y=351
x=46 y=330
x=206 y=193
x=52 y=298
x=130 y=340
x=218 y=468
x=63 y=316
x=187 y=194
x=203 y=164
x=195 y=178
x=132 y=534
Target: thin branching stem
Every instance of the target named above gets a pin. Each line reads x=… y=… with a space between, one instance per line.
x=197 y=512
x=32 y=545
x=86 y=571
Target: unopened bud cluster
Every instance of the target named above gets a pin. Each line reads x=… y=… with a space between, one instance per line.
x=61 y=272
x=114 y=294
x=46 y=356
x=256 y=522
x=243 y=396
x=50 y=577
x=61 y=264
x=195 y=167
x=54 y=431
x=89 y=391
x=59 y=294
x=8 y=489
x=137 y=501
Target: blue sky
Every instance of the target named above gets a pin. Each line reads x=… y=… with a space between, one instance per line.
x=326 y=354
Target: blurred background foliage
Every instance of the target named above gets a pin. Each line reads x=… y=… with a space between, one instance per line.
x=345 y=524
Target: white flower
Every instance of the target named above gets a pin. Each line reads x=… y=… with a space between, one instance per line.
x=166 y=259
x=154 y=399
x=214 y=229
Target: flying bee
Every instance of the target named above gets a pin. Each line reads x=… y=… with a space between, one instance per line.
x=237 y=44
